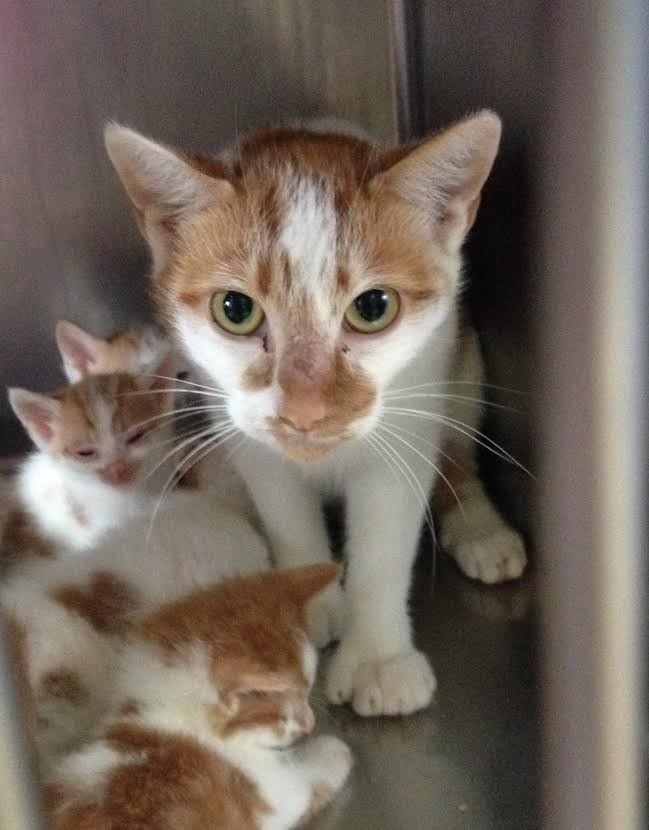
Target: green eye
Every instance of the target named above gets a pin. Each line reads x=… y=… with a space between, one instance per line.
x=235 y=312
x=373 y=310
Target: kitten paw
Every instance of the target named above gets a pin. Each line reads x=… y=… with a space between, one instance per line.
x=334 y=758
x=490 y=555
x=324 y=617
x=397 y=685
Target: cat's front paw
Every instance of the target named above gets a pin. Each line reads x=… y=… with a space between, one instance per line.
x=324 y=616
x=491 y=554
x=397 y=685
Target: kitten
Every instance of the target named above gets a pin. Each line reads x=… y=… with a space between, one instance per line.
x=314 y=278
x=88 y=472
x=212 y=694
x=71 y=614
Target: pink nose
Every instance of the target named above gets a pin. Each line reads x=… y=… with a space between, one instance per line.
x=305 y=719
x=118 y=473
x=303 y=409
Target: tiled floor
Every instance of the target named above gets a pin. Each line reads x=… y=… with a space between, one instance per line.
x=471 y=761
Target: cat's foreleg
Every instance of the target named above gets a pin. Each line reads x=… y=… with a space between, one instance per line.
x=376 y=666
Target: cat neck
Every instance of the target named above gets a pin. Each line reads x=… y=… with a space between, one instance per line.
x=69 y=506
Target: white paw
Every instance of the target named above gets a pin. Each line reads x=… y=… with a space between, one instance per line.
x=396 y=685
x=497 y=554
x=324 y=616
x=333 y=758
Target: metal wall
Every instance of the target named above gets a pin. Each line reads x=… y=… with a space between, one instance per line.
x=182 y=71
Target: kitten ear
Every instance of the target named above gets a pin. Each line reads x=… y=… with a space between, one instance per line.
x=162 y=185
x=305 y=582
x=39 y=414
x=443 y=175
x=81 y=351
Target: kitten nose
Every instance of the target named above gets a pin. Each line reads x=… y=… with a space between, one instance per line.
x=118 y=472
x=305 y=718
x=303 y=408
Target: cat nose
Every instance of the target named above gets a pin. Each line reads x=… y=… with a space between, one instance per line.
x=118 y=472
x=303 y=408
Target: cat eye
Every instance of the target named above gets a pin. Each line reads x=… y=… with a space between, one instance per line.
x=86 y=453
x=373 y=310
x=236 y=313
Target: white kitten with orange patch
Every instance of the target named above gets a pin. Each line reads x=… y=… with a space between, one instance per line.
x=212 y=693
x=314 y=278
x=88 y=473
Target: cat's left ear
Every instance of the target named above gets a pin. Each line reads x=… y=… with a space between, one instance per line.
x=442 y=176
x=162 y=184
x=39 y=414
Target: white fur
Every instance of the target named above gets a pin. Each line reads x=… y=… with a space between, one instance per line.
x=71 y=506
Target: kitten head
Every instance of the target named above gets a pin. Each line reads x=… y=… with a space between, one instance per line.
x=134 y=351
x=104 y=425
x=252 y=631
x=304 y=270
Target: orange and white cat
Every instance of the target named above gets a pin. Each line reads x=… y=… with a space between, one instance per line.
x=313 y=278
x=88 y=472
x=211 y=694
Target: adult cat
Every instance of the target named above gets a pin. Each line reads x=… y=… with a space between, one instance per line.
x=314 y=279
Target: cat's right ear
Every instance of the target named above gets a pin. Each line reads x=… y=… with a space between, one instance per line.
x=163 y=186
x=39 y=414
x=80 y=351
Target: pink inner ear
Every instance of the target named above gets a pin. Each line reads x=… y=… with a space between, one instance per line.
x=41 y=420
x=79 y=356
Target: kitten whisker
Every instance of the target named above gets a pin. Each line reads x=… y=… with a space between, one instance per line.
x=178 y=412
x=213 y=440
x=168 y=389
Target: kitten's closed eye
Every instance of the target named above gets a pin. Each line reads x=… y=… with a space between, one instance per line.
x=134 y=437
x=86 y=453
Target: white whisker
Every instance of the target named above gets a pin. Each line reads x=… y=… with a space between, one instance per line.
x=460 y=398
x=438 y=383
x=428 y=461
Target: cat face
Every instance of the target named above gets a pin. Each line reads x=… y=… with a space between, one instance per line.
x=104 y=425
x=250 y=632
x=305 y=274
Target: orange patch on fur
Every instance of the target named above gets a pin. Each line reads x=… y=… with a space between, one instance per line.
x=174 y=783
x=63 y=684
x=21 y=539
x=104 y=603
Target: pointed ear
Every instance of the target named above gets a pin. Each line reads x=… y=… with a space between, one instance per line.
x=81 y=351
x=443 y=175
x=305 y=582
x=163 y=186
x=39 y=414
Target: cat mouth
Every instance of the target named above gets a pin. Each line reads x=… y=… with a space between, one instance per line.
x=305 y=446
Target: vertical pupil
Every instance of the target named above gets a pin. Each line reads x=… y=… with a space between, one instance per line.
x=371 y=305
x=237 y=307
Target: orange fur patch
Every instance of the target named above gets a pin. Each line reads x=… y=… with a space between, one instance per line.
x=175 y=783
x=63 y=684
x=21 y=539
x=104 y=603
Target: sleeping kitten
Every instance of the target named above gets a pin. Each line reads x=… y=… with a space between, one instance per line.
x=212 y=694
x=71 y=614
x=314 y=278
x=88 y=472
